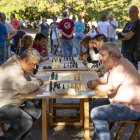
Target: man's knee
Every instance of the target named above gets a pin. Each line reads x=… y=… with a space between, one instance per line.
x=94 y=113
x=27 y=124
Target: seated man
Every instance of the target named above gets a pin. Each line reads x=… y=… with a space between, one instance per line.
x=16 y=78
x=40 y=41
x=16 y=38
x=122 y=84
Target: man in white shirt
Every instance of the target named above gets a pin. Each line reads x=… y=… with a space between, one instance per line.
x=112 y=27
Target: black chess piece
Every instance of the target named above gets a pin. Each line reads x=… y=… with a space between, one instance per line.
x=63 y=86
x=73 y=65
x=52 y=75
x=67 y=58
x=52 y=59
x=50 y=86
x=55 y=84
x=64 y=65
x=56 y=76
x=49 y=67
x=72 y=58
x=76 y=65
x=60 y=60
x=58 y=86
x=67 y=65
x=70 y=62
x=70 y=66
x=45 y=67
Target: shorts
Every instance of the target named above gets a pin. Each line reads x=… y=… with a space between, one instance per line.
x=55 y=42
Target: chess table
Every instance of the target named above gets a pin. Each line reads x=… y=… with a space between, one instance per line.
x=49 y=62
x=86 y=76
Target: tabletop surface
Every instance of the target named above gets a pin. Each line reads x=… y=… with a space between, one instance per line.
x=86 y=76
x=50 y=63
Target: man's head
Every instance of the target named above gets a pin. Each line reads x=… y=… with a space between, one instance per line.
x=110 y=54
x=29 y=59
x=64 y=13
x=12 y=16
x=3 y=16
x=110 y=16
x=55 y=18
x=133 y=13
x=98 y=40
x=40 y=39
x=86 y=40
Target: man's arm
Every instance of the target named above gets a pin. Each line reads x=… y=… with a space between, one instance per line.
x=73 y=31
x=63 y=33
x=98 y=30
x=113 y=25
x=12 y=35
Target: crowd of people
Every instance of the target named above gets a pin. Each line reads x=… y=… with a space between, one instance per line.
x=119 y=76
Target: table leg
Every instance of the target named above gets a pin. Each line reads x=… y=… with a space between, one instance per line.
x=44 y=119
x=86 y=119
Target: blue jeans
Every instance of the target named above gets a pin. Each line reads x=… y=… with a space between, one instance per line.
x=128 y=56
x=78 y=37
x=67 y=45
x=20 y=120
x=104 y=112
x=112 y=39
x=3 y=51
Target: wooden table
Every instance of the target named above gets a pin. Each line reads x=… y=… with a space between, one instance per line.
x=44 y=76
x=49 y=63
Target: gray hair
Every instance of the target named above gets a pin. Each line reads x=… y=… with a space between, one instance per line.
x=133 y=6
x=111 y=48
x=111 y=14
x=3 y=16
x=30 y=53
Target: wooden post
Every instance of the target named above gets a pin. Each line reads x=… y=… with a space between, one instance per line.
x=50 y=112
x=44 y=119
x=86 y=119
x=81 y=111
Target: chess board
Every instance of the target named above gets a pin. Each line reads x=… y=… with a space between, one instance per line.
x=68 y=86
x=65 y=77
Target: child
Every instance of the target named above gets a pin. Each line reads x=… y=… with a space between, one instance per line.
x=87 y=57
x=55 y=38
x=92 y=32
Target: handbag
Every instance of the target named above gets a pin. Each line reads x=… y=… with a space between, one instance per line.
x=135 y=53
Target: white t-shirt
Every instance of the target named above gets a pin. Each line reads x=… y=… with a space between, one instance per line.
x=103 y=27
x=112 y=30
x=53 y=32
x=9 y=27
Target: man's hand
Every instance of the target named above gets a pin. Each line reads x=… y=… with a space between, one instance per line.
x=91 y=84
x=91 y=44
x=69 y=36
x=84 y=62
x=40 y=81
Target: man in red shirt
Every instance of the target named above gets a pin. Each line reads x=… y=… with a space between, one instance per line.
x=40 y=41
x=67 y=28
x=14 y=22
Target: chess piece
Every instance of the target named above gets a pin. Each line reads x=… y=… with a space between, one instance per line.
x=67 y=65
x=50 y=86
x=63 y=86
x=78 y=75
x=72 y=86
x=68 y=86
x=76 y=65
x=75 y=76
x=60 y=60
x=73 y=65
x=57 y=64
x=54 y=65
x=58 y=86
x=70 y=66
x=56 y=76
x=52 y=59
x=55 y=84
x=64 y=65
x=76 y=86
x=81 y=86
x=45 y=67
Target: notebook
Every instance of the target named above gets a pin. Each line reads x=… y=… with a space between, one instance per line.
x=88 y=93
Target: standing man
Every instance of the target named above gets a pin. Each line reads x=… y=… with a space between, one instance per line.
x=112 y=27
x=18 y=36
x=14 y=22
x=67 y=28
x=130 y=35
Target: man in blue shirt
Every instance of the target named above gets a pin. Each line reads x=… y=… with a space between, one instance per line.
x=3 y=38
